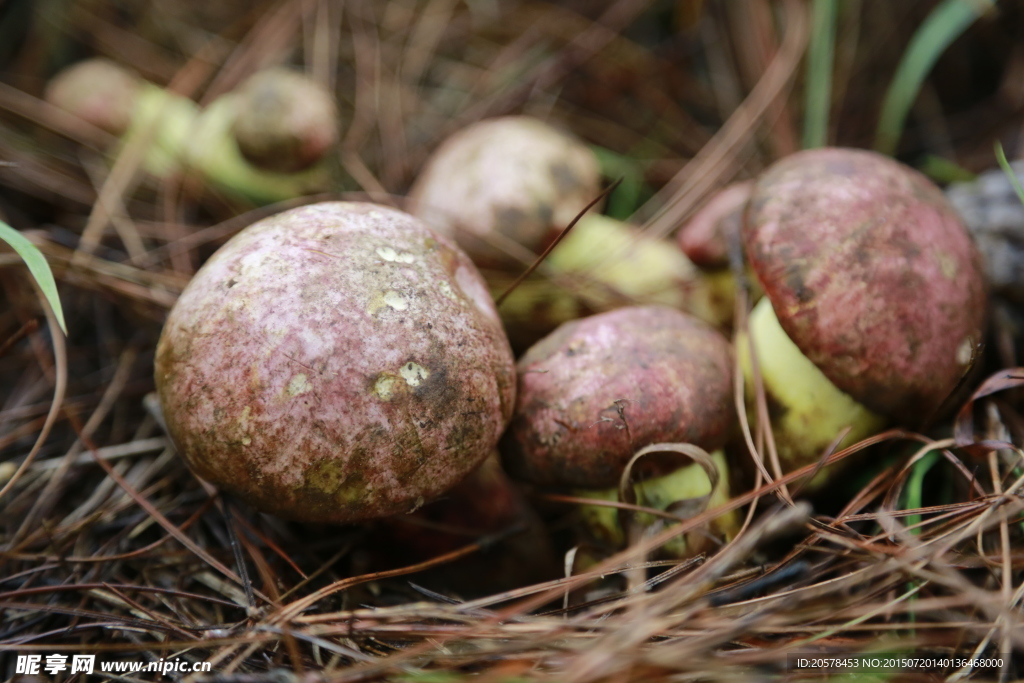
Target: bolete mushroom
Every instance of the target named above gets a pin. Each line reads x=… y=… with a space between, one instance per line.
x=503 y=188
x=874 y=296
x=268 y=140
x=287 y=121
x=335 y=363
x=599 y=389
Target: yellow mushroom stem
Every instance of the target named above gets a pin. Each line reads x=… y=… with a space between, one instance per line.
x=687 y=483
x=603 y=264
x=163 y=120
x=808 y=412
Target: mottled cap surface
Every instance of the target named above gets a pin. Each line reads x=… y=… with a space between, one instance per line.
x=336 y=362
x=871 y=274
x=598 y=389
x=286 y=121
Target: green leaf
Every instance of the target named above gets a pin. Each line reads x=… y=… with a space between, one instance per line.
x=38 y=266
x=945 y=23
x=1005 y=165
x=818 y=100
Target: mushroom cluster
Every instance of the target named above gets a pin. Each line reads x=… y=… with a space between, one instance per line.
x=343 y=361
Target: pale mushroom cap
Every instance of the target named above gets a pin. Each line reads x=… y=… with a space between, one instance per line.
x=505 y=186
x=286 y=121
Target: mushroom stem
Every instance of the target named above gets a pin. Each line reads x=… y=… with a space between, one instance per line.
x=689 y=483
x=808 y=411
x=603 y=264
x=165 y=119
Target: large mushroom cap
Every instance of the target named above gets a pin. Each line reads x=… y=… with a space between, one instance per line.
x=502 y=187
x=871 y=274
x=598 y=389
x=336 y=362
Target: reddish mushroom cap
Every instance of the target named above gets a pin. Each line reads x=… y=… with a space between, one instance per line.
x=597 y=389
x=871 y=274
x=334 y=363
x=705 y=237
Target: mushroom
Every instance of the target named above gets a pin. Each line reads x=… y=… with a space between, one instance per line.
x=123 y=104
x=286 y=122
x=98 y=91
x=269 y=140
x=335 y=363
x=599 y=389
x=874 y=296
x=504 y=187
x=705 y=237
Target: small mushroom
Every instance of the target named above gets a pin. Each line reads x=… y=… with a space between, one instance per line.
x=286 y=122
x=269 y=140
x=98 y=91
x=335 y=363
x=599 y=389
x=870 y=274
x=705 y=237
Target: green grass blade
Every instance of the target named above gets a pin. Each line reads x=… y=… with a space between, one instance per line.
x=626 y=198
x=945 y=23
x=820 y=56
x=1005 y=165
x=38 y=266
x=913 y=493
